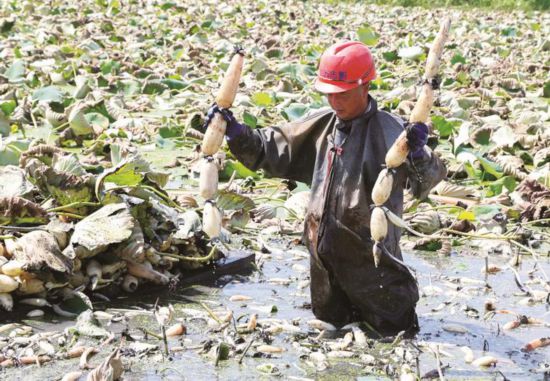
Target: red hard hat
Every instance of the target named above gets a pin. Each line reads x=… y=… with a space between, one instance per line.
x=344 y=66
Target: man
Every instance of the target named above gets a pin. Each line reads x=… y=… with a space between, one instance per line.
x=340 y=152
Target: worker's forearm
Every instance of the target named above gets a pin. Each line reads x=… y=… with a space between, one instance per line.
x=247 y=146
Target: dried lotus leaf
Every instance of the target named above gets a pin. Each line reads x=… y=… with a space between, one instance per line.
x=228 y=200
x=504 y=136
x=38 y=250
x=464 y=226
x=111 y=224
x=17 y=211
x=21 y=114
x=68 y=164
x=115 y=108
x=298 y=203
x=78 y=123
x=187 y=201
x=509 y=159
x=528 y=141
x=56 y=119
x=42 y=151
x=511 y=165
x=238 y=218
x=60 y=230
x=538 y=211
x=191 y=225
x=86 y=323
x=532 y=191
x=445 y=188
x=263 y=212
x=510 y=84
x=485 y=93
x=541 y=157
x=537 y=206
x=64 y=187
x=110 y=369
x=426 y=222
x=13 y=182
x=446 y=248
x=133 y=125
x=405 y=107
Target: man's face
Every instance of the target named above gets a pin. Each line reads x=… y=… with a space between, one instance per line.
x=349 y=104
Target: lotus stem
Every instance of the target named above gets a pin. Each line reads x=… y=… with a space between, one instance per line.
x=152 y=189
x=72 y=205
x=252 y=339
x=439 y=369
x=14 y=147
x=164 y=339
x=61 y=127
x=161 y=195
x=292 y=214
x=147 y=332
x=72 y=215
x=33 y=123
x=231 y=179
x=480 y=236
x=443 y=207
x=211 y=313
x=246 y=229
x=535 y=257
x=511 y=238
x=371 y=328
x=542 y=220
x=268 y=198
x=190 y=259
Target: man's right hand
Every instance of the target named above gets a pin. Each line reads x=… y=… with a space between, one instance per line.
x=233 y=129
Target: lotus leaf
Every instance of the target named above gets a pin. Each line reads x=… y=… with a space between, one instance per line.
x=88 y=325
x=19 y=211
x=297 y=203
x=68 y=164
x=111 y=224
x=190 y=224
x=39 y=250
x=13 y=182
x=227 y=200
x=64 y=187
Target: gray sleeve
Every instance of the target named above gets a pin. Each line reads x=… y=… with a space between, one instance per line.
x=288 y=152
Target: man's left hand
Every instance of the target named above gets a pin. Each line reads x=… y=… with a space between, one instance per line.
x=417 y=137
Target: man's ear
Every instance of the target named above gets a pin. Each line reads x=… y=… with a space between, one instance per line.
x=365 y=88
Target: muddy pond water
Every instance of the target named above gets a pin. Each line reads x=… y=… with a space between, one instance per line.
x=452 y=312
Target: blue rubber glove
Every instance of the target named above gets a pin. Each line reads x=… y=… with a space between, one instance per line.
x=233 y=129
x=417 y=137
